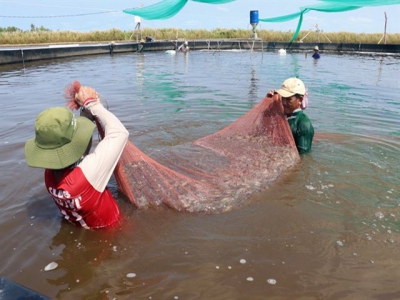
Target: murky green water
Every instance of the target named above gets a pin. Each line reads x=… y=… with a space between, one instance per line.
x=328 y=229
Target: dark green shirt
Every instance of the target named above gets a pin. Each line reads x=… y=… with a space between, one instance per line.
x=302 y=130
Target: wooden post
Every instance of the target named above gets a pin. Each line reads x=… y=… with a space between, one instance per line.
x=385 y=27
x=384 y=32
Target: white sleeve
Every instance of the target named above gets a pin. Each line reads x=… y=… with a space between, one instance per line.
x=99 y=165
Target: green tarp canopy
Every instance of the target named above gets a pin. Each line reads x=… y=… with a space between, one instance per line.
x=328 y=6
x=166 y=9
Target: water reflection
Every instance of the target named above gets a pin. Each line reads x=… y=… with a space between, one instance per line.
x=325 y=230
x=140 y=65
x=380 y=67
x=295 y=66
x=253 y=88
x=83 y=251
x=315 y=62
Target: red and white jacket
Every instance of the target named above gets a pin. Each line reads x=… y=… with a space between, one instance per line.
x=82 y=194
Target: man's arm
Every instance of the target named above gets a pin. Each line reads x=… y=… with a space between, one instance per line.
x=99 y=165
x=305 y=136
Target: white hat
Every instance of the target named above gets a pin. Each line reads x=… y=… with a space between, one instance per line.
x=292 y=86
x=316 y=48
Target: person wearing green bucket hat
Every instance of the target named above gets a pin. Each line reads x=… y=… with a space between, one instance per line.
x=76 y=178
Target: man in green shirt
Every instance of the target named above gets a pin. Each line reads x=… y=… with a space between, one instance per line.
x=294 y=101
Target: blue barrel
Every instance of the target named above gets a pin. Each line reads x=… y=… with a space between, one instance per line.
x=254 y=17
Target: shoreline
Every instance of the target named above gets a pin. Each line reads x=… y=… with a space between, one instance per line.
x=12 y=54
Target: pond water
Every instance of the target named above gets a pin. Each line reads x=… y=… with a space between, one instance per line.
x=327 y=229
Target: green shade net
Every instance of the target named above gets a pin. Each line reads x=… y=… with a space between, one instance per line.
x=363 y=2
x=328 y=6
x=166 y=9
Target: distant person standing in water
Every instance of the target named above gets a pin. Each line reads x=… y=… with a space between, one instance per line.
x=293 y=95
x=184 y=47
x=316 y=54
x=175 y=45
x=76 y=178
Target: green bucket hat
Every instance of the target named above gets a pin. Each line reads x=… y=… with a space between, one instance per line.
x=60 y=139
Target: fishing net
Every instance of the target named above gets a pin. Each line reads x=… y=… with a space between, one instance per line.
x=166 y=9
x=328 y=6
x=215 y=173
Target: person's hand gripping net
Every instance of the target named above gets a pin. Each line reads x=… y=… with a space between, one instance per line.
x=86 y=95
x=273 y=93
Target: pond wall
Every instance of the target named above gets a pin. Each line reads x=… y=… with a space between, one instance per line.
x=21 y=54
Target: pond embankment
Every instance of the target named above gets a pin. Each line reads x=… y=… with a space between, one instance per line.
x=25 y=53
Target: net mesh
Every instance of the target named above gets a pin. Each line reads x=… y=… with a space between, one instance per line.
x=328 y=6
x=215 y=173
x=166 y=9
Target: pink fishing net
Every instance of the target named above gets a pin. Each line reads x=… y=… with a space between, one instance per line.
x=215 y=173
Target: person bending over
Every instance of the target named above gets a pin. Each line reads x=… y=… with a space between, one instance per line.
x=74 y=177
x=184 y=47
x=293 y=95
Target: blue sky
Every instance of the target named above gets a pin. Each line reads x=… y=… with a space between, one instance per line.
x=194 y=15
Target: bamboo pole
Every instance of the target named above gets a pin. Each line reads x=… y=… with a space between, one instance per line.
x=385 y=26
x=384 y=32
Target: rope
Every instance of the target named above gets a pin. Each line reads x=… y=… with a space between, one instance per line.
x=60 y=16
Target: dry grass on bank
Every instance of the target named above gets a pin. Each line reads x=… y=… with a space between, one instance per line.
x=52 y=37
